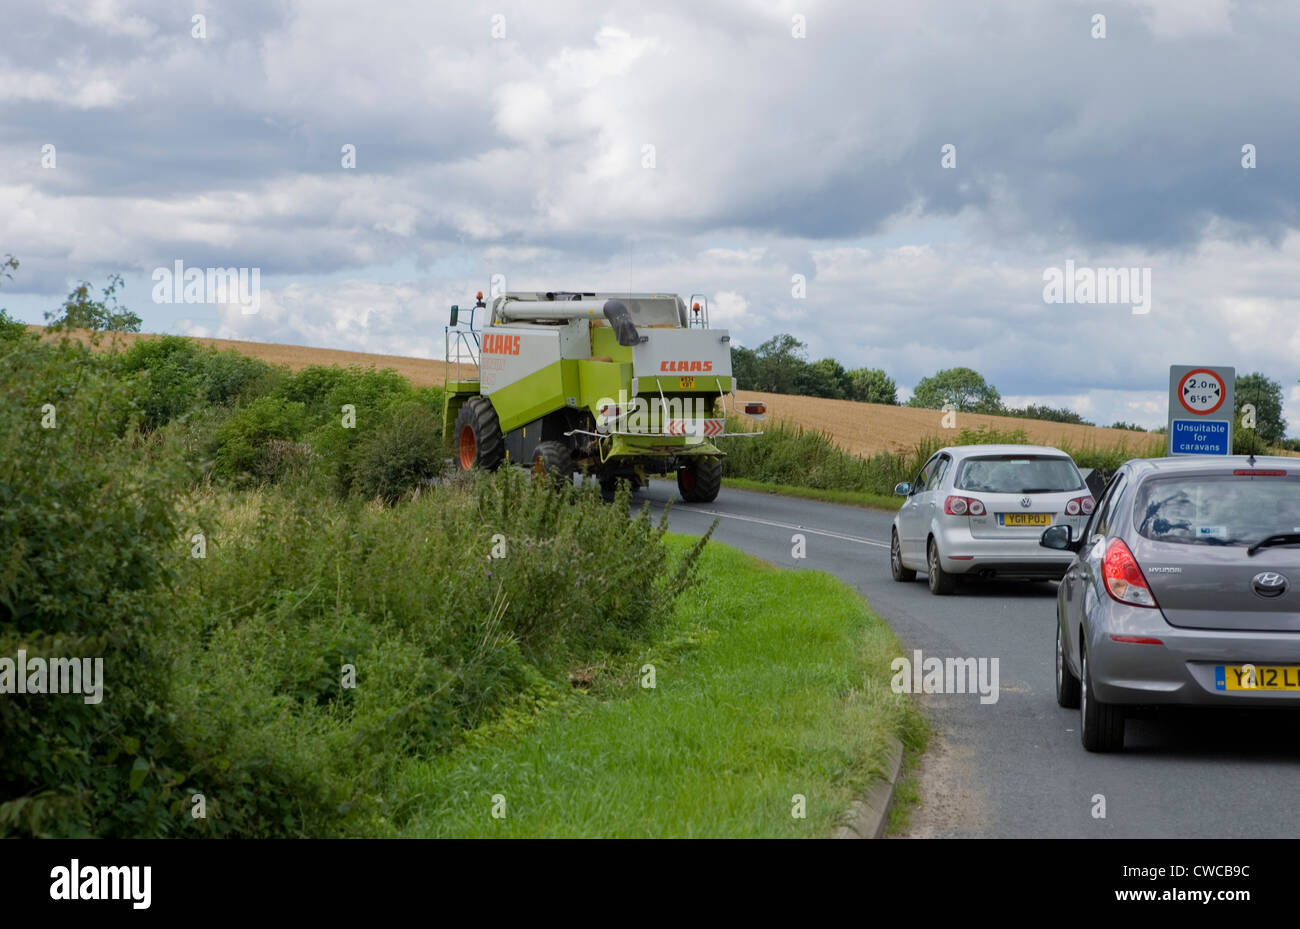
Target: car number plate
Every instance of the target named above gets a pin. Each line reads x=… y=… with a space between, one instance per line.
x=686 y=383
x=1025 y=519
x=1256 y=677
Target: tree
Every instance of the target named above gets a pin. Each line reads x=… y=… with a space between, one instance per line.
x=1265 y=396
x=965 y=390
x=745 y=368
x=824 y=378
x=10 y=328
x=780 y=361
x=1050 y=413
x=80 y=311
x=872 y=385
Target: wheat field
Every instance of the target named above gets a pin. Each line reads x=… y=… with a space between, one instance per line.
x=862 y=428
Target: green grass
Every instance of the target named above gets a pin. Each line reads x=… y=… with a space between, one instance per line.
x=851 y=497
x=770 y=683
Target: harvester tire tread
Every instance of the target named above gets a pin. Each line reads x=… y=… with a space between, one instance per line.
x=699 y=479
x=483 y=446
x=554 y=461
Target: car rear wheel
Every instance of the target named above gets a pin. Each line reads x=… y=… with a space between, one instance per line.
x=1067 y=685
x=1102 y=724
x=896 y=560
x=941 y=582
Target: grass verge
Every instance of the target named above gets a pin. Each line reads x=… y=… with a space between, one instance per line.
x=865 y=499
x=769 y=684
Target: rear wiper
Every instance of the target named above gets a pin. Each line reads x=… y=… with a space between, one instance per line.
x=1281 y=538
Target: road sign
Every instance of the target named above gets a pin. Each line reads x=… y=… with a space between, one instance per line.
x=1201 y=405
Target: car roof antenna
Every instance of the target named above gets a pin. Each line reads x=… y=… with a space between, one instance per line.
x=1251 y=460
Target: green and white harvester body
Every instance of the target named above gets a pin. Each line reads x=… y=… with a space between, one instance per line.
x=615 y=386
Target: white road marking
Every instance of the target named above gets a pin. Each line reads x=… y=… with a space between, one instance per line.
x=768 y=522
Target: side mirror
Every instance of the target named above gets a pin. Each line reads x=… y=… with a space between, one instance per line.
x=1058 y=537
x=455 y=313
x=904 y=489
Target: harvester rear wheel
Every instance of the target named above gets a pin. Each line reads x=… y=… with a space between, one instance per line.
x=699 y=479
x=554 y=461
x=476 y=437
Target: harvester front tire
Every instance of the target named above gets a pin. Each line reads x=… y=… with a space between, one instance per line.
x=554 y=461
x=476 y=438
x=699 y=479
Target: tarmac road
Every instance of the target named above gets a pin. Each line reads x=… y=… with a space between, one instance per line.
x=1015 y=767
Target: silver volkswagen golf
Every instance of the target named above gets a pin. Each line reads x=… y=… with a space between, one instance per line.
x=978 y=511
x=1181 y=591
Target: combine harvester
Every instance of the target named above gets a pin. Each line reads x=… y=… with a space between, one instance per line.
x=614 y=386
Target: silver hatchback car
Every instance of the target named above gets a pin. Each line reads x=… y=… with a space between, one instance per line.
x=1181 y=591
x=978 y=510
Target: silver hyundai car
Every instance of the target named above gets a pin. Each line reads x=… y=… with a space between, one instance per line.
x=1181 y=591
x=978 y=510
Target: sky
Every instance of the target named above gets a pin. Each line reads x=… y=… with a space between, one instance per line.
x=891 y=183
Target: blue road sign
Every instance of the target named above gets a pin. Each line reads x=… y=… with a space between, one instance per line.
x=1199 y=437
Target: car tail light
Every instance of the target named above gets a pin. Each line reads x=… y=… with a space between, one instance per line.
x=1123 y=577
x=1079 y=505
x=964 y=506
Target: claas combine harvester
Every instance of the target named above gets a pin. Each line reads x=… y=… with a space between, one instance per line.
x=617 y=387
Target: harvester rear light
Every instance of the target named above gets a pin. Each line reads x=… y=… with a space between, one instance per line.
x=1084 y=505
x=755 y=409
x=1123 y=577
x=609 y=415
x=964 y=506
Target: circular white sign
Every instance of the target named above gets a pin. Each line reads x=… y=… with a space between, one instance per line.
x=1201 y=391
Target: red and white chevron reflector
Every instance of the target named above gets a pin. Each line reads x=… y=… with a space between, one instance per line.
x=708 y=427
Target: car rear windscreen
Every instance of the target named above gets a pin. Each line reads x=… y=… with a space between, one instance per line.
x=1019 y=474
x=1217 y=510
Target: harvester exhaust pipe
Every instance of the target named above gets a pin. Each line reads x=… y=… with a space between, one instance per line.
x=620 y=318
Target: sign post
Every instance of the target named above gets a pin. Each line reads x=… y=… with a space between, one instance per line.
x=1201 y=409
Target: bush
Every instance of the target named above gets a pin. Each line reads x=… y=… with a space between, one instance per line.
x=244 y=449
x=10 y=329
x=371 y=396
x=443 y=637
x=312 y=387
x=88 y=547
x=175 y=375
x=403 y=452
x=229 y=377
x=224 y=673
x=792 y=455
x=169 y=381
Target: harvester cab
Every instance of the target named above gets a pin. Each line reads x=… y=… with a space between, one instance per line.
x=617 y=386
